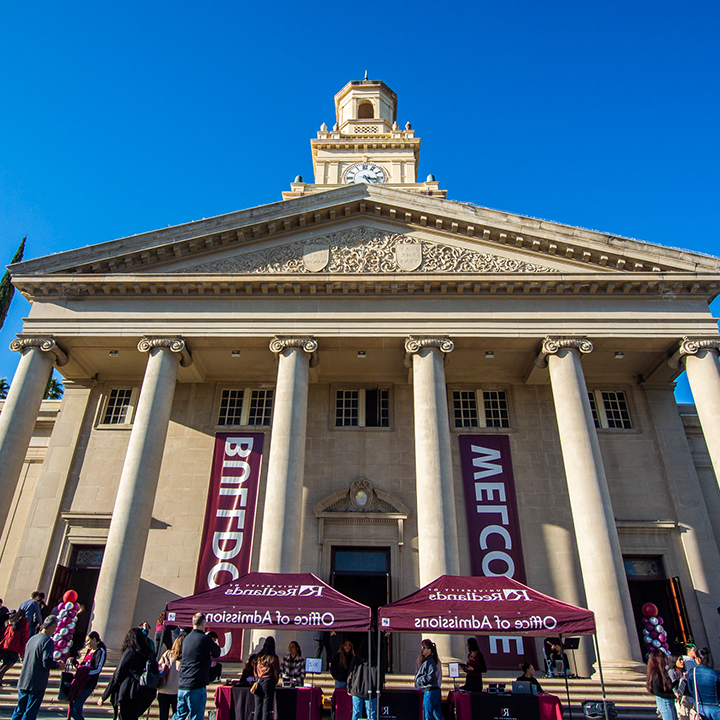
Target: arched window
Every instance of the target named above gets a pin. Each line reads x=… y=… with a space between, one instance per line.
x=365 y=110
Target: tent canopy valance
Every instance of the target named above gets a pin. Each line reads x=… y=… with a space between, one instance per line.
x=274 y=601
x=484 y=606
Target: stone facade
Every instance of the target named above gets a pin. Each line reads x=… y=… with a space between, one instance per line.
x=401 y=298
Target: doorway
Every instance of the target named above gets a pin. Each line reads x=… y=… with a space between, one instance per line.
x=363 y=574
x=81 y=575
x=648 y=584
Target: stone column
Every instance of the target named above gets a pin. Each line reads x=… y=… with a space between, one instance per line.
x=279 y=546
x=21 y=408
x=596 y=534
x=125 y=550
x=435 y=491
x=700 y=357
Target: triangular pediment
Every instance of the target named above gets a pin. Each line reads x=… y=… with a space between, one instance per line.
x=368 y=230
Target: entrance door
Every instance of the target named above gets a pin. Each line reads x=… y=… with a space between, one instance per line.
x=647 y=584
x=81 y=576
x=363 y=574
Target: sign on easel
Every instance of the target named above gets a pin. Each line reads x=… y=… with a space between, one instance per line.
x=454 y=670
x=313 y=665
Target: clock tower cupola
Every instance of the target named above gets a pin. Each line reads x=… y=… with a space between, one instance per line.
x=366 y=145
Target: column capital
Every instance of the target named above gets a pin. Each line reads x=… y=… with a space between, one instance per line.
x=174 y=344
x=45 y=344
x=551 y=345
x=692 y=346
x=414 y=344
x=306 y=343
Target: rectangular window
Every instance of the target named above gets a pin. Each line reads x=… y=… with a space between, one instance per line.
x=120 y=406
x=493 y=412
x=610 y=409
x=496 y=409
x=616 y=410
x=364 y=407
x=465 y=408
x=260 y=407
x=231 y=407
x=246 y=406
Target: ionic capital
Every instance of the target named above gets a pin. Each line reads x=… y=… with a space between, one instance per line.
x=45 y=344
x=306 y=343
x=415 y=344
x=553 y=345
x=174 y=344
x=692 y=346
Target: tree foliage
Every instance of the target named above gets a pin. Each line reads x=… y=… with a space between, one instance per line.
x=7 y=290
x=54 y=389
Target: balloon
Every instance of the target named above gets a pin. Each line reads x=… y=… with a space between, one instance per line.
x=653 y=635
x=62 y=614
x=57 y=655
x=71 y=613
x=56 y=637
x=76 y=607
x=659 y=627
x=64 y=632
x=654 y=620
x=60 y=644
x=69 y=606
x=71 y=596
x=660 y=621
x=649 y=609
x=662 y=637
x=656 y=643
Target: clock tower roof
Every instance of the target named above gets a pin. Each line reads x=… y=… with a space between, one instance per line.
x=365 y=100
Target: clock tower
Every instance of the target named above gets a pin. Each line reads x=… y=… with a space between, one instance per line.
x=366 y=145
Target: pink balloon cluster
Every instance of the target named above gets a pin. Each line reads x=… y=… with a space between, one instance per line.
x=654 y=633
x=67 y=615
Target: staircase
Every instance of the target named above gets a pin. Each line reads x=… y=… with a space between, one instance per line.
x=630 y=697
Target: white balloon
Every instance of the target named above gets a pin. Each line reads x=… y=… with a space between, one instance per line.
x=69 y=606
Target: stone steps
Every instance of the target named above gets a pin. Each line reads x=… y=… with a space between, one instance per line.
x=629 y=696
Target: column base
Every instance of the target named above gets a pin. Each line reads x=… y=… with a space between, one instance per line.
x=620 y=670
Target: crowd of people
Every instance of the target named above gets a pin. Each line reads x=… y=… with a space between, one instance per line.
x=684 y=684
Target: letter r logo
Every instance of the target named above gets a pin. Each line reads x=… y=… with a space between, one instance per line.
x=515 y=595
x=306 y=590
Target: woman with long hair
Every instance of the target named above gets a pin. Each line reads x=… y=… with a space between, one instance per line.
x=428 y=679
x=703 y=683
x=126 y=694
x=267 y=673
x=93 y=661
x=14 y=639
x=292 y=667
x=170 y=664
x=659 y=684
x=340 y=665
x=474 y=667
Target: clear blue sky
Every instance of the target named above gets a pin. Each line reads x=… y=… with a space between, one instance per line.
x=119 y=119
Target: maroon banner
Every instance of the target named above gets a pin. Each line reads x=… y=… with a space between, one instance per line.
x=494 y=533
x=230 y=519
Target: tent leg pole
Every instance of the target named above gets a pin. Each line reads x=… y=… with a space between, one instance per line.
x=377 y=682
x=602 y=682
x=567 y=688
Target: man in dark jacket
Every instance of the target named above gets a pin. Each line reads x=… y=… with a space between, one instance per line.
x=197 y=654
x=361 y=685
x=37 y=664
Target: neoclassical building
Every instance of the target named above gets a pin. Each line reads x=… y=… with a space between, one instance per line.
x=376 y=384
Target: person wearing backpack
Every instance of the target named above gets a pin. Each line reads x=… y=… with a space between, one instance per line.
x=127 y=694
x=198 y=650
x=170 y=663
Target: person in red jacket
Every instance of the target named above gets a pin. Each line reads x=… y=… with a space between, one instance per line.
x=17 y=633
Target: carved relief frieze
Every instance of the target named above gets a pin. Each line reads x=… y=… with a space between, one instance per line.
x=366 y=250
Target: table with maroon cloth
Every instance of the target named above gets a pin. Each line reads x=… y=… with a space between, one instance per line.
x=394 y=704
x=469 y=705
x=238 y=703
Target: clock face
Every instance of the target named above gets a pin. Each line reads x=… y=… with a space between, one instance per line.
x=365 y=172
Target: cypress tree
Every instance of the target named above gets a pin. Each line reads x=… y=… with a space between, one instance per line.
x=7 y=289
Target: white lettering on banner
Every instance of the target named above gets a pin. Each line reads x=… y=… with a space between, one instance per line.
x=227 y=644
x=505 y=640
x=227 y=545
x=493 y=492
x=277 y=590
x=515 y=594
x=313 y=619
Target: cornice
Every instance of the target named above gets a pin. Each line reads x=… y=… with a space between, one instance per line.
x=539 y=285
x=585 y=248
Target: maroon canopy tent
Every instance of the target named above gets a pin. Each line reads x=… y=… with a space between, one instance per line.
x=484 y=606
x=273 y=601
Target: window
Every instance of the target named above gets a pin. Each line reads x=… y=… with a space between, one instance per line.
x=610 y=409
x=364 y=407
x=365 y=110
x=120 y=406
x=493 y=412
x=245 y=406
